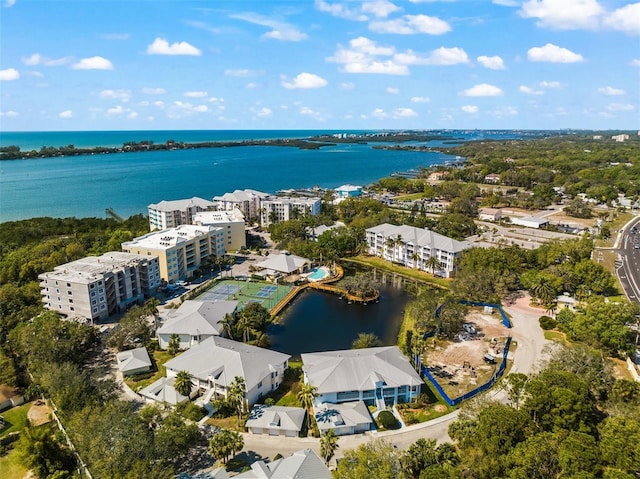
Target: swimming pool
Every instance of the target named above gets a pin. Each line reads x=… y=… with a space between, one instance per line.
x=317 y=274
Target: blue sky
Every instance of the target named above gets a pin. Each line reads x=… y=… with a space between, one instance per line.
x=323 y=64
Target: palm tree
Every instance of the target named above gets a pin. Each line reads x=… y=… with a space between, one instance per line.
x=432 y=263
x=174 y=344
x=245 y=327
x=390 y=244
x=236 y=394
x=306 y=395
x=152 y=308
x=328 y=445
x=366 y=340
x=543 y=290
x=183 y=383
x=226 y=325
x=415 y=257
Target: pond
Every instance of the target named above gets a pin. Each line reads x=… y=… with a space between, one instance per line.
x=319 y=321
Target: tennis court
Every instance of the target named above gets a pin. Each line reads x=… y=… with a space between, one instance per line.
x=246 y=292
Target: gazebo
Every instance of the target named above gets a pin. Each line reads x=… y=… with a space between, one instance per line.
x=285 y=264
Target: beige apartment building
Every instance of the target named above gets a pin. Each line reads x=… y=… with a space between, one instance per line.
x=96 y=287
x=275 y=209
x=169 y=214
x=232 y=224
x=180 y=250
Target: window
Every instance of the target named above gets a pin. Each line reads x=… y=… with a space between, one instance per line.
x=93 y=294
x=259 y=384
x=68 y=285
x=95 y=310
x=71 y=300
x=70 y=293
x=57 y=290
x=94 y=302
x=71 y=308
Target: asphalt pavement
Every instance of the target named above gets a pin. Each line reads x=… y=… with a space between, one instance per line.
x=628 y=261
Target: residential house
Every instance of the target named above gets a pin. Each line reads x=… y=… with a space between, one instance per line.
x=492 y=178
x=346 y=191
x=133 y=361
x=304 y=464
x=181 y=250
x=564 y=301
x=195 y=321
x=490 y=214
x=345 y=418
x=276 y=420
x=163 y=391
x=247 y=201
x=413 y=247
x=169 y=214
x=530 y=221
x=276 y=209
x=232 y=224
x=96 y=287
x=215 y=362
x=378 y=376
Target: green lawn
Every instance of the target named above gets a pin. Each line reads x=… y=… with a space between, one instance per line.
x=11 y=467
x=141 y=381
x=401 y=270
x=619 y=221
x=16 y=419
x=556 y=336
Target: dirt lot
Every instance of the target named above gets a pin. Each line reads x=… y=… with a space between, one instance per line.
x=39 y=413
x=460 y=366
x=6 y=392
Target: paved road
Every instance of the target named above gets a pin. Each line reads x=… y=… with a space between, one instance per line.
x=628 y=263
x=530 y=349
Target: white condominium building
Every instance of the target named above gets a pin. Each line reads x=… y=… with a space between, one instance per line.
x=247 y=201
x=98 y=286
x=169 y=214
x=232 y=222
x=276 y=209
x=414 y=247
x=180 y=250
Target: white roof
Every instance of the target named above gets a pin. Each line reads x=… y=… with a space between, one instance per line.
x=133 y=359
x=304 y=464
x=349 y=188
x=182 y=205
x=224 y=359
x=92 y=268
x=162 y=390
x=169 y=237
x=330 y=416
x=359 y=369
x=276 y=417
x=240 y=195
x=284 y=263
x=198 y=318
x=421 y=237
x=216 y=217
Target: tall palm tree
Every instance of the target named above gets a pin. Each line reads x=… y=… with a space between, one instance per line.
x=328 y=445
x=152 y=308
x=236 y=395
x=183 y=383
x=306 y=395
x=415 y=257
x=543 y=290
x=432 y=263
x=390 y=243
x=226 y=325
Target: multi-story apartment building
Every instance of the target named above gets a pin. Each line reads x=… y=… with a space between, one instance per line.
x=275 y=209
x=180 y=250
x=414 y=247
x=169 y=214
x=232 y=222
x=96 y=287
x=247 y=201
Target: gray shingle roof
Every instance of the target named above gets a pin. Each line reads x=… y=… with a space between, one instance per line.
x=225 y=359
x=304 y=464
x=198 y=317
x=329 y=416
x=284 y=263
x=133 y=359
x=174 y=205
x=421 y=237
x=358 y=369
x=276 y=417
x=162 y=390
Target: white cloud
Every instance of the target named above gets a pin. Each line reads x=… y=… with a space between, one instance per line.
x=9 y=113
x=115 y=111
x=252 y=85
x=160 y=46
x=483 y=89
x=304 y=81
x=93 y=63
x=530 y=91
x=9 y=74
x=549 y=84
x=242 y=73
x=447 y=56
x=347 y=86
x=635 y=62
x=340 y=10
x=215 y=99
x=65 y=114
x=154 y=91
x=37 y=59
x=179 y=109
x=620 y=107
x=563 y=14
x=403 y=113
x=493 y=63
x=379 y=113
x=158 y=104
x=412 y=24
x=470 y=109
x=506 y=3
x=196 y=94
x=122 y=95
x=420 y=99
x=392 y=90
x=262 y=112
x=610 y=91
x=380 y=8
x=625 y=19
x=362 y=56
x=279 y=30
x=553 y=54
x=9 y=3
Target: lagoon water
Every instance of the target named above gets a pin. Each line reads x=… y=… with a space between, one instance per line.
x=84 y=186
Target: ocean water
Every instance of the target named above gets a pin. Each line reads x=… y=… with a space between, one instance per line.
x=84 y=186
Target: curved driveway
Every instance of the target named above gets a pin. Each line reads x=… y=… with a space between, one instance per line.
x=530 y=344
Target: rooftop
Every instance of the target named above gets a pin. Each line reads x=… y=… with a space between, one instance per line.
x=421 y=237
x=170 y=237
x=198 y=318
x=181 y=205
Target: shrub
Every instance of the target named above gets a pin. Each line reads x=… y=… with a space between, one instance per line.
x=410 y=418
x=189 y=410
x=387 y=420
x=547 y=322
